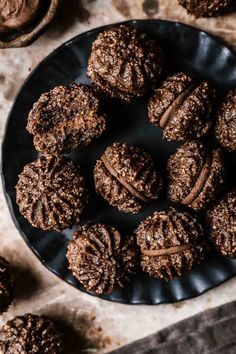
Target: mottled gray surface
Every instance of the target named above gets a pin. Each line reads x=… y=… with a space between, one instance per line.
x=98 y=326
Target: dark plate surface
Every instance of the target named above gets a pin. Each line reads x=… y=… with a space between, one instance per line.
x=186 y=49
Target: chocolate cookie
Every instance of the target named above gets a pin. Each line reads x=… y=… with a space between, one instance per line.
x=205 y=8
x=17 y=15
x=226 y=122
x=222 y=225
x=51 y=193
x=30 y=334
x=6 y=286
x=66 y=118
x=101 y=259
x=196 y=175
x=182 y=107
x=171 y=243
x=126 y=178
x=125 y=63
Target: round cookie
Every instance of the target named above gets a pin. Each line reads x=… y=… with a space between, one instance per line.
x=30 y=334
x=6 y=285
x=196 y=175
x=182 y=107
x=205 y=8
x=222 y=225
x=171 y=243
x=101 y=259
x=17 y=15
x=66 y=118
x=125 y=63
x=226 y=122
x=51 y=193
x=126 y=178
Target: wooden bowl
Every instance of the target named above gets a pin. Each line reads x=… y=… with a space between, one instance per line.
x=28 y=35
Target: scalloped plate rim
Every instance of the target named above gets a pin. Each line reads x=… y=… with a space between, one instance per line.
x=7 y=196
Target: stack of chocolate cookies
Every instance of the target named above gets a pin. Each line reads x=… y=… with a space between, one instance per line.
x=126 y=64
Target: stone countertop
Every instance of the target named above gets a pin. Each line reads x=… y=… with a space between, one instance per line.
x=91 y=324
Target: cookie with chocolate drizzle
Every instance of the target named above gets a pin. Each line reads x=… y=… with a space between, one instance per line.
x=125 y=176
x=171 y=243
x=182 y=107
x=196 y=175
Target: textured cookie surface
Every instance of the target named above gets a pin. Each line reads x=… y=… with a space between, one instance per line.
x=66 y=118
x=125 y=63
x=126 y=178
x=196 y=175
x=182 y=107
x=222 y=225
x=30 y=334
x=226 y=122
x=171 y=243
x=51 y=193
x=101 y=259
x=6 y=286
x=205 y=8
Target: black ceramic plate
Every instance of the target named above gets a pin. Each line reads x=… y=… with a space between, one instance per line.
x=186 y=49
